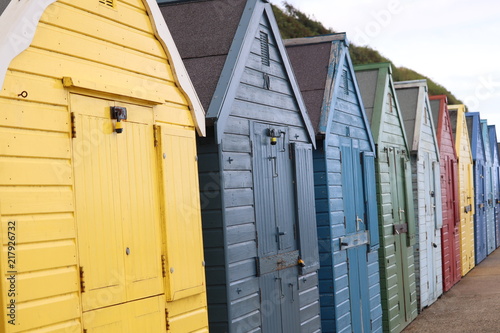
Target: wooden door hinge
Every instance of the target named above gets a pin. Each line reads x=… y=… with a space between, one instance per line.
x=82 y=280
x=73 y=126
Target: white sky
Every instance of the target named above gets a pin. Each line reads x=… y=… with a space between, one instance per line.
x=454 y=42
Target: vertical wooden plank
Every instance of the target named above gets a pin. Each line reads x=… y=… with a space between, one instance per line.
x=185 y=272
x=306 y=213
x=370 y=195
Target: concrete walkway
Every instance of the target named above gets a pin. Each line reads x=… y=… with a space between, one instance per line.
x=472 y=305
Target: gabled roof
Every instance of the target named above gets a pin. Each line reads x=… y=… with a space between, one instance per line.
x=475 y=137
x=214 y=38
x=486 y=140
x=453 y=110
x=17 y=36
x=3 y=5
x=414 y=102
x=375 y=83
x=442 y=118
x=438 y=104
x=492 y=133
x=318 y=65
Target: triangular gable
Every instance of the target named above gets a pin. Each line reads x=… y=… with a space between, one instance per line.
x=475 y=137
x=492 y=133
x=220 y=107
x=308 y=63
x=379 y=90
x=220 y=104
x=460 y=132
x=486 y=140
x=18 y=25
x=414 y=101
x=442 y=119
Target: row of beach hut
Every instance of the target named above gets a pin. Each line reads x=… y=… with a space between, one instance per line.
x=175 y=166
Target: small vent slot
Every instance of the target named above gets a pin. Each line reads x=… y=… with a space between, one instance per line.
x=346 y=83
x=264 y=48
x=109 y=3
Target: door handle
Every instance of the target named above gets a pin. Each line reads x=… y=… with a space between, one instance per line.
x=401 y=211
x=279 y=233
x=357 y=222
x=275 y=166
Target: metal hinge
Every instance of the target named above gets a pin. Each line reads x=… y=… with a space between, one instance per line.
x=340 y=156
x=73 y=126
x=156 y=134
x=260 y=296
x=164 y=265
x=82 y=280
x=167 y=324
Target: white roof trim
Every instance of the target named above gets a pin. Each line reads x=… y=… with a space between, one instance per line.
x=20 y=19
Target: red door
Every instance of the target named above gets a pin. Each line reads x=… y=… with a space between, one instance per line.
x=449 y=233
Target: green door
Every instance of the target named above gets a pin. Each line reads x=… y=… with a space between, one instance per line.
x=399 y=296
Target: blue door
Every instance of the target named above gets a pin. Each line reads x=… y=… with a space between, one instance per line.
x=276 y=228
x=356 y=239
x=480 y=215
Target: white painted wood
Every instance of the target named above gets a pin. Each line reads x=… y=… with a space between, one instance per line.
x=425 y=158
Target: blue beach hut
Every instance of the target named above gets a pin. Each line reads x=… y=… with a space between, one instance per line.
x=255 y=168
x=344 y=169
x=478 y=157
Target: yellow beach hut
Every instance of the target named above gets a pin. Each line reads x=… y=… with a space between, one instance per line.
x=99 y=199
x=465 y=186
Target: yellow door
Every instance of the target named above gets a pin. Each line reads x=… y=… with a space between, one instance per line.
x=183 y=235
x=117 y=205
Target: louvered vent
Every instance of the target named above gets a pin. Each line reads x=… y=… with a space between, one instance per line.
x=264 y=48
x=109 y=3
x=346 y=84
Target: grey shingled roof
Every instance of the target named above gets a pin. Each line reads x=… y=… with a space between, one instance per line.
x=453 y=120
x=3 y=5
x=205 y=45
x=310 y=63
x=408 y=100
x=470 y=125
x=435 y=108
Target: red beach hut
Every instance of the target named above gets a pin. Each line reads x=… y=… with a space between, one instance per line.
x=450 y=235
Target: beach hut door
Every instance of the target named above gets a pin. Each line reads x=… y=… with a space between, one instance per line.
x=402 y=228
x=276 y=228
x=356 y=239
x=117 y=208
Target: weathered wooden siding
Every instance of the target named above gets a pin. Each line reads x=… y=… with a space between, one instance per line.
x=466 y=186
x=428 y=262
x=450 y=236
x=347 y=126
x=214 y=233
x=429 y=235
x=480 y=202
x=254 y=103
x=391 y=279
x=95 y=45
x=495 y=181
x=488 y=190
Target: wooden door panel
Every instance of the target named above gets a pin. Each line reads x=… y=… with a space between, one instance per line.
x=98 y=214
